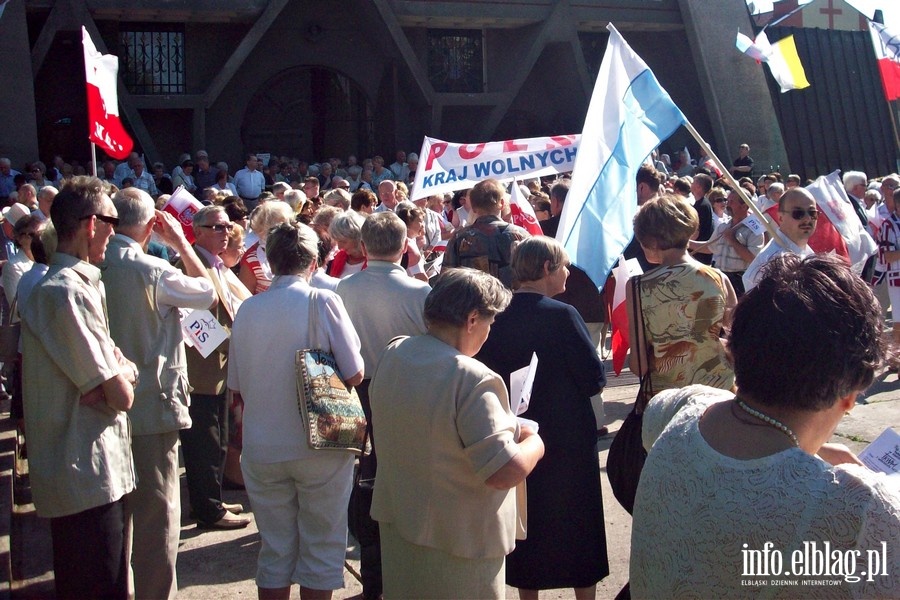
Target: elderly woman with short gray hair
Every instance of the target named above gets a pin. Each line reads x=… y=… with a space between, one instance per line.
x=346 y=232
x=449 y=450
x=299 y=495
x=566 y=544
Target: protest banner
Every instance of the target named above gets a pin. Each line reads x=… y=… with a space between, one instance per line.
x=447 y=166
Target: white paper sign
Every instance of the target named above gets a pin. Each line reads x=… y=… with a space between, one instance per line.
x=520 y=383
x=754 y=224
x=203 y=330
x=883 y=455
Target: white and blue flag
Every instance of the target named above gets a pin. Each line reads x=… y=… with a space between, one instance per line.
x=629 y=115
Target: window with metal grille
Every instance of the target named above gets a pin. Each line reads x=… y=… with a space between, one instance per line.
x=456 y=60
x=151 y=58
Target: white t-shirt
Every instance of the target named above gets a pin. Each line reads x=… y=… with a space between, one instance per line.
x=776 y=246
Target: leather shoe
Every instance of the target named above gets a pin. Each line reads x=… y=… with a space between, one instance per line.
x=234 y=509
x=603 y=432
x=229 y=521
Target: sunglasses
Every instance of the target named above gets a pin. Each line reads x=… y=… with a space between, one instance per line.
x=799 y=213
x=114 y=221
x=719 y=201
x=219 y=228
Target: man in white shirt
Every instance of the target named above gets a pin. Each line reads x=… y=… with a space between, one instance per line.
x=147 y=327
x=250 y=182
x=400 y=168
x=387 y=195
x=143 y=180
x=798 y=215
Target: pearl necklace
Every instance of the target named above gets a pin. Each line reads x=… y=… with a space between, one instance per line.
x=769 y=420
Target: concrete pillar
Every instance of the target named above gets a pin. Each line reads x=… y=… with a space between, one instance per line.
x=734 y=87
x=18 y=118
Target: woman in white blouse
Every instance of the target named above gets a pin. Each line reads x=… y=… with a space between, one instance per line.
x=299 y=495
x=731 y=477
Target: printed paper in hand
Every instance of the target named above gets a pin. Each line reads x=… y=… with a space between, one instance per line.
x=203 y=331
x=883 y=455
x=520 y=383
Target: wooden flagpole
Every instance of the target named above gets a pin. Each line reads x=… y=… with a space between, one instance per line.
x=770 y=228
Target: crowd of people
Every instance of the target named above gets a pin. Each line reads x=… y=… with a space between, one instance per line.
x=431 y=307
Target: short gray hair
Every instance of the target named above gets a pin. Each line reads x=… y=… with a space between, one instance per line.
x=347 y=226
x=135 y=207
x=325 y=215
x=294 y=199
x=530 y=255
x=853 y=178
x=291 y=248
x=457 y=292
x=280 y=187
x=339 y=198
x=269 y=214
x=383 y=234
x=47 y=189
x=201 y=217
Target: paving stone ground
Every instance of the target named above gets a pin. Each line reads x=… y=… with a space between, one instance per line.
x=221 y=564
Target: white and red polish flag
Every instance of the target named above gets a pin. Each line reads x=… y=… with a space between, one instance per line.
x=522 y=211
x=887 y=52
x=182 y=205
x=106 y=129
x=625 y=270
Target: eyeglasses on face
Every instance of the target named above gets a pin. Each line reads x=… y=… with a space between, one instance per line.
x=220 y=227
x=798 y=214
x=114 y=221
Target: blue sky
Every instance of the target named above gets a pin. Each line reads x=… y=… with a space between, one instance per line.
x=891 y=9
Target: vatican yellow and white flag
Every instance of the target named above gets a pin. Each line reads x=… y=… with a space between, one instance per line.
x=782 y=58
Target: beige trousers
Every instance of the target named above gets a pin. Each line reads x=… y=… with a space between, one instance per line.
x=156 y=513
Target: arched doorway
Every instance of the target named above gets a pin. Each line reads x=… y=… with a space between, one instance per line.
x=312 y=113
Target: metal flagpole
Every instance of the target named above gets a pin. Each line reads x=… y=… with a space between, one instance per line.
x=727 y=174
x=94 y=157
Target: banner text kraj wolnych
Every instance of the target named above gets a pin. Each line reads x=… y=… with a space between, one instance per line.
x=447 y=166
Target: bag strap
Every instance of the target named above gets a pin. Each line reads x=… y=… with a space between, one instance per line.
x=12 y=310
x=314 y=319
x=642 y=350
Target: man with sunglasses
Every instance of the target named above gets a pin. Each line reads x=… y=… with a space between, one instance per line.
x=77 y=388
x=797 y=215
x=204 y=443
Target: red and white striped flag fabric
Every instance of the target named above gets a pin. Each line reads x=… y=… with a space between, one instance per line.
x=106 y=129
x=887 y=52
x=522 y=211
x=182 y=205
x=625 y=270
